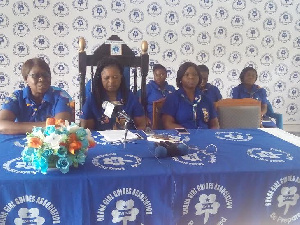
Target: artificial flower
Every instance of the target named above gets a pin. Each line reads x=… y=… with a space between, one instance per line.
x=34 y=142
x=58 y=144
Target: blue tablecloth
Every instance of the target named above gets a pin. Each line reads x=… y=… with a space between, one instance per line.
x=229 y=177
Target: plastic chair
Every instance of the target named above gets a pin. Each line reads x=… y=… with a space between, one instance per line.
x=239 y=113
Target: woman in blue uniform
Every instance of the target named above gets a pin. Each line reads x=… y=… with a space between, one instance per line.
x=248 y=88
x=187 y=107
x=35 y=103
x=109 y=85
x=211 y=91
x=157 y=88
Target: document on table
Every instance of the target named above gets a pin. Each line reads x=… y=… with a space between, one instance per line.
x=118 y=135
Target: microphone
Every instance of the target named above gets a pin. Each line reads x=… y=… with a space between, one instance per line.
x=111 y=108
x=161 y=152
x=114 y=108
x=169 y=149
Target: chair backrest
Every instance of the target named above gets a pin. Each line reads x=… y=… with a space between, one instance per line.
x=239 y=113
x=156 y=120
x=116 y=47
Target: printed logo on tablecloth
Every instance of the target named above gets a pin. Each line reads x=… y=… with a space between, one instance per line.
x=269 y=155
x=29 y=209
x=199 y=157
x=124 y=205
x=113 y=162
x=282 y=200
x=203 y=203
x=233 y=136
x=18 y=166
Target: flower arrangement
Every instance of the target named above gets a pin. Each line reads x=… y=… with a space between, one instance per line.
x=58 y=145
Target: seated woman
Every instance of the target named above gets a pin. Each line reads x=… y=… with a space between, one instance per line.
x=157 y=88
x=31 y=106
x=109 y=85
x=211 y=91
x=187 y=107
x=248 y=89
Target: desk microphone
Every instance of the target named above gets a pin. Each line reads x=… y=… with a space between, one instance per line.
x=168 y=149
x=114 y=108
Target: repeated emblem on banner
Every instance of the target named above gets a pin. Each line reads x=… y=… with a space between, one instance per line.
x=262 y=34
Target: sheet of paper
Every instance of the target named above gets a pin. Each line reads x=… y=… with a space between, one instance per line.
x=117 y=135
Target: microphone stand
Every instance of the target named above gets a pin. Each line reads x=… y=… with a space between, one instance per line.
x=126 y=132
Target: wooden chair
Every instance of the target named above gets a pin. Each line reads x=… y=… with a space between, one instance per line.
x=156 y=121
x=239 y=113
x=116 y=47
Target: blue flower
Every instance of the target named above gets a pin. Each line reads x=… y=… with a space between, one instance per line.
x=49 y=130
x=47 y=153
x=36 y=129
x=28 y=154
x=84 y=144
x=81 y=134
x=63 y=164
x=81 y=157
x=62 y=151
x=40 y=164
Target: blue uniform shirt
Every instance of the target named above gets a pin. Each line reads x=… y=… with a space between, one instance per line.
x=191 y=115
x=153 y=93
x=212 y=92
x=133 y=108
x=26 y=110
x=256 y=93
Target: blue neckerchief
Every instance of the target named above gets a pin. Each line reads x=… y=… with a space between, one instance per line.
x=253 y=90
x=27 y=95
x=163 y=91
x=197 y=100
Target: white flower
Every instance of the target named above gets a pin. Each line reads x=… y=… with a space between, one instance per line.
x=53 y=140
x=38 y=134
x=89 y=135
x=73 y=128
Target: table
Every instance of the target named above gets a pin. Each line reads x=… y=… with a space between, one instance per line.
x=247 y=176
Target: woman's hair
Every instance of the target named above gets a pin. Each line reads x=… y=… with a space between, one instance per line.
x=30 y=63
x=203 y=68
x=159 y=66
x=244 y=71
x=182 y=69
x=98 y=89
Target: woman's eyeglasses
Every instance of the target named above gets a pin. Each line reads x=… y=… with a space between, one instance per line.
x=37 y=76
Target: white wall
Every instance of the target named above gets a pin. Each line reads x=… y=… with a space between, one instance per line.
x=226 y=35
